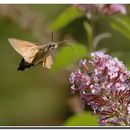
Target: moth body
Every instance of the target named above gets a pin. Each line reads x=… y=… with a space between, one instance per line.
x=44 y=51
x=33 y=54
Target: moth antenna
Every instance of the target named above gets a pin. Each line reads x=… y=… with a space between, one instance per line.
x=52 y=36
x=66 y=45
x=62 y=41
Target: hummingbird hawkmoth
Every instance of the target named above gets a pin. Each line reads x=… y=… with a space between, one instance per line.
x=33 y=53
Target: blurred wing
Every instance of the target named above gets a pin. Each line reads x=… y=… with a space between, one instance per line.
x=27 y=49
x=48 y=62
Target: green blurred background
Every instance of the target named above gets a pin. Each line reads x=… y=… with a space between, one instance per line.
x=39 y=96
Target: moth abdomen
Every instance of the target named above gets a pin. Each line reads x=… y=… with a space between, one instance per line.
x=24 y=64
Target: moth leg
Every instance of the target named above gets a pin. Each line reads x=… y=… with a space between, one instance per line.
x=44 y=62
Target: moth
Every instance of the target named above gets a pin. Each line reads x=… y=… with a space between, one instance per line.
x=33 y=53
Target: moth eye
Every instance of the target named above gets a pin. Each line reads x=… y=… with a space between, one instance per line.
x=52 y=45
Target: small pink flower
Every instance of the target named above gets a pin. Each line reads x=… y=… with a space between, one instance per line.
x=83 y=63
x=128 y=108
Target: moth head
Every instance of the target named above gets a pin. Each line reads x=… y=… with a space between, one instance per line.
x=52 y=46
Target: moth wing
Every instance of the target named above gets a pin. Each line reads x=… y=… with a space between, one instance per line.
x=27 y=49
x=48 y=62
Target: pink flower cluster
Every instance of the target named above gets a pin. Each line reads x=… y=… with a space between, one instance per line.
x=104 y=84
x=106 y=9
x=110 y=9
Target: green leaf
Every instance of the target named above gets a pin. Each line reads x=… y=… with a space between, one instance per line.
x=66 y=55
x=121 y=24
x=89 y=31
x=66 y=17
x=82 y=119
